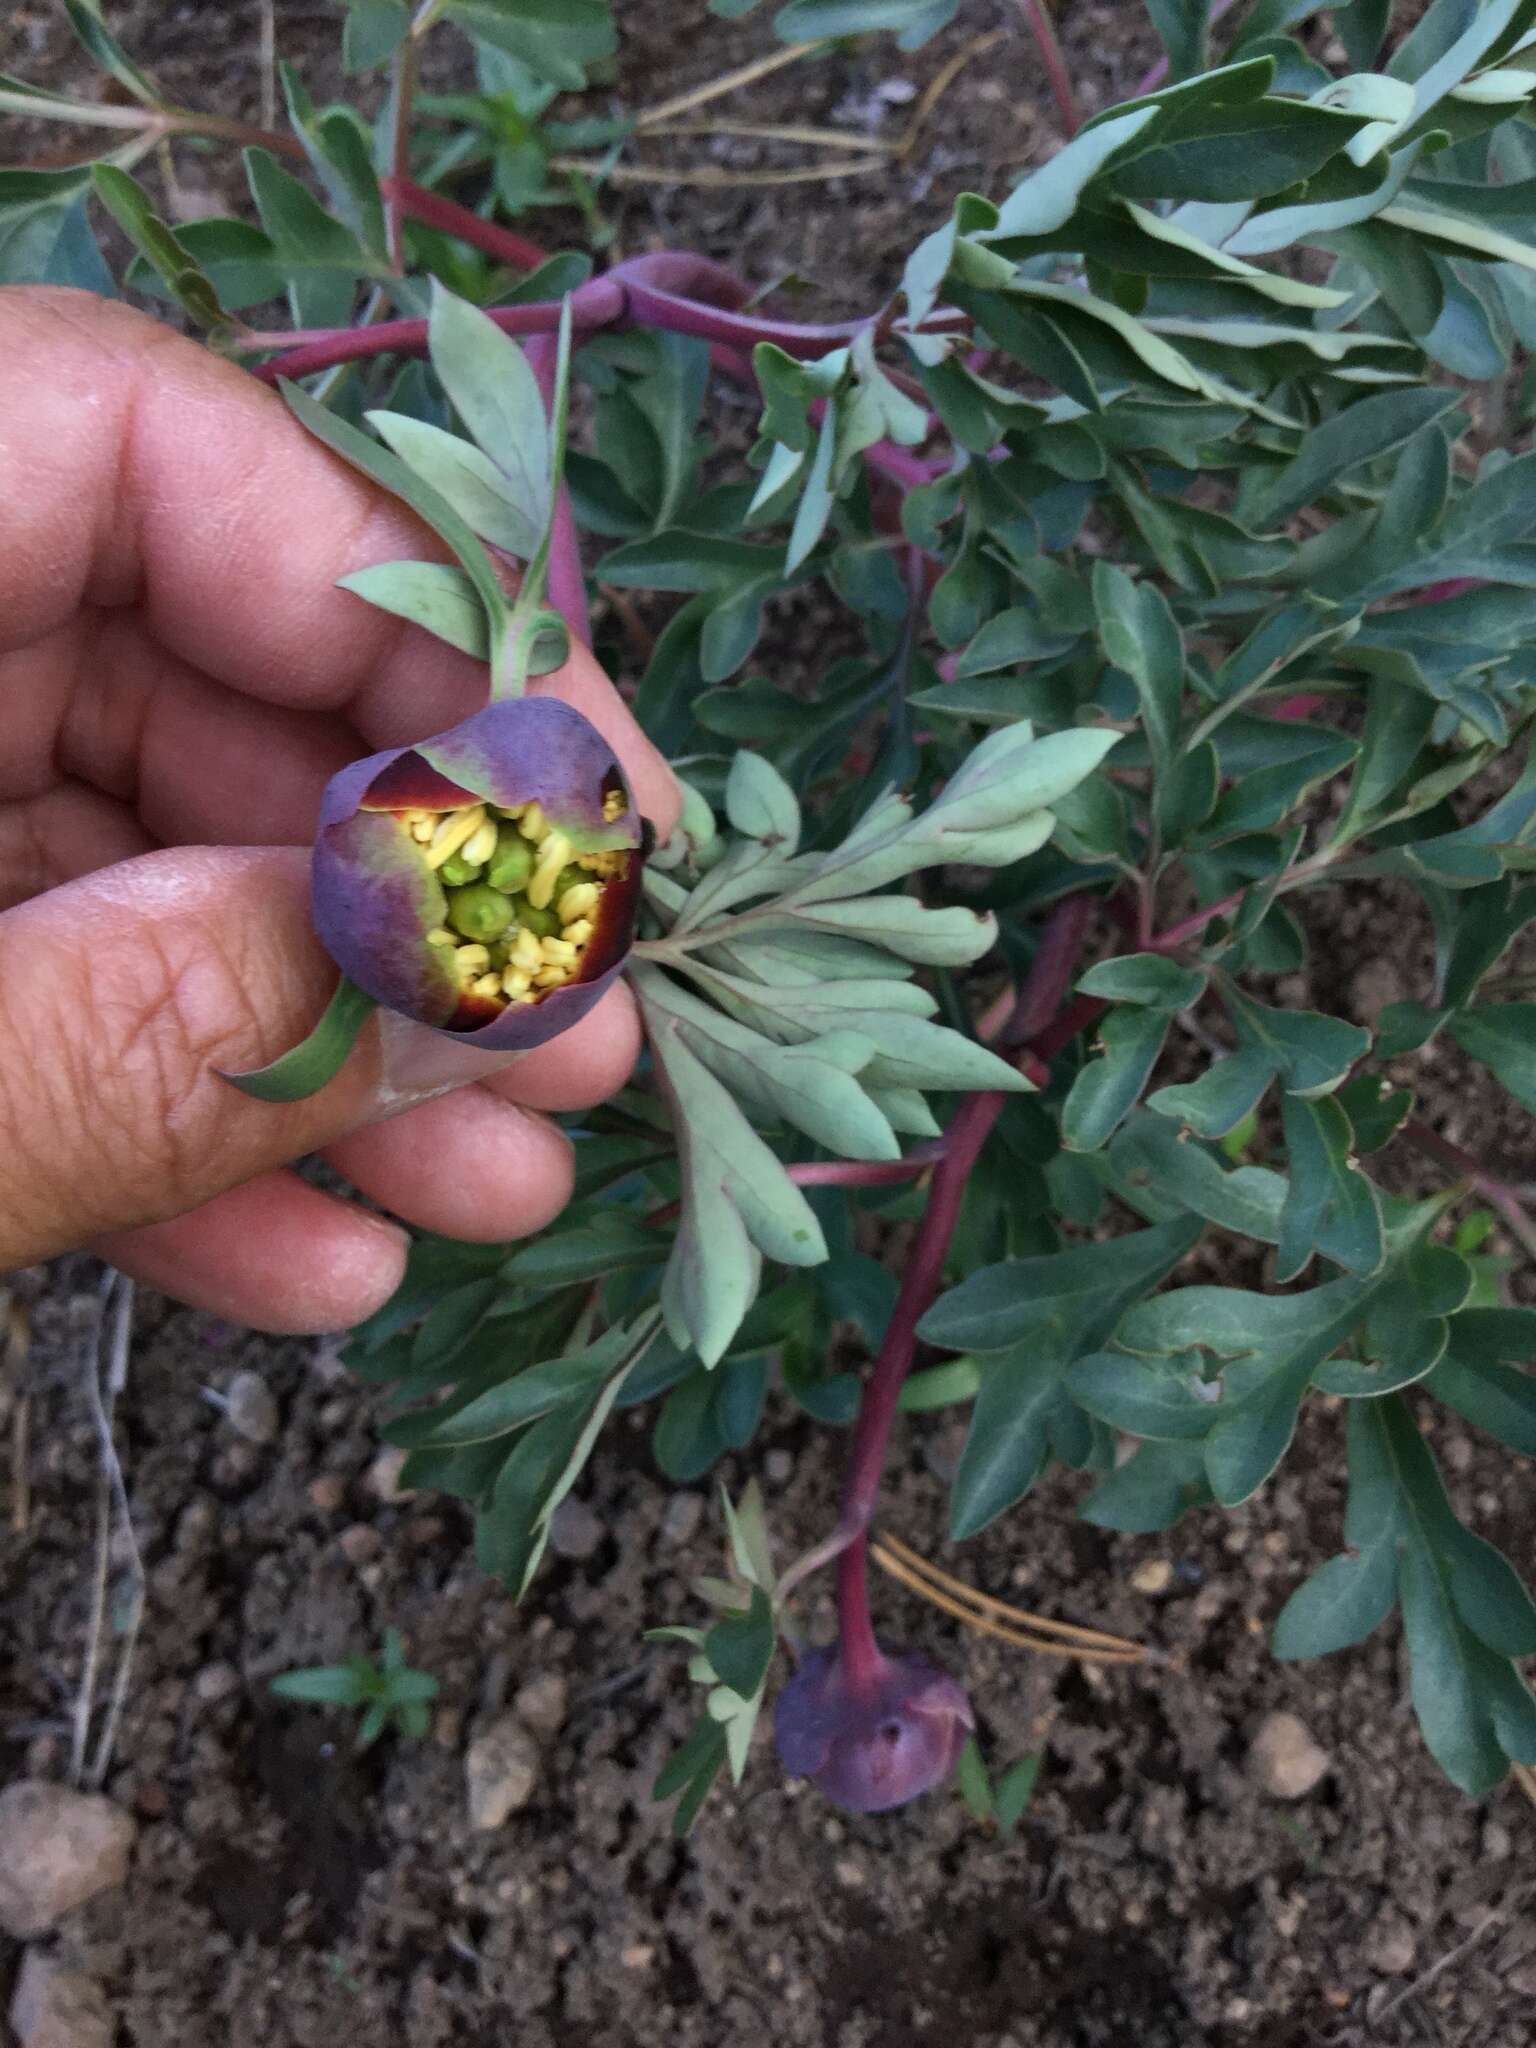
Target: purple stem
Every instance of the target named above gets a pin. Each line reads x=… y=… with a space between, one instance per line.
x=567 y=578
x=1060 y=78
x=1045 y=985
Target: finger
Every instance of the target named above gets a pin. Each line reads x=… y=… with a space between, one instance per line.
x=275 y=1255
x=120 y=996
x=584 y=1065
x=467 y=1165
x=162 y=475
x=64 y=833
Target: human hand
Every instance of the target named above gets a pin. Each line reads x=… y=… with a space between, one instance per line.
x=178 y=680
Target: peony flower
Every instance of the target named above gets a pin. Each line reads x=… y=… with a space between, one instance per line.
x=484 y=881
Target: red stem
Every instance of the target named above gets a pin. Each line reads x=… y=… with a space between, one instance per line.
x=434 y=211
x=567 y=577
x=1496 y=1193
x=1049 y=975
x=1060 y=78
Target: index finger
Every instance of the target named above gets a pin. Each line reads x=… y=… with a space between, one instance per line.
x=148 y=471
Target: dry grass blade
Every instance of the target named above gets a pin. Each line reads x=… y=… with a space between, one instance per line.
x=937 y=87
x=712 y=175
x=728 y=81
x=781 y=131
x=979 y=1611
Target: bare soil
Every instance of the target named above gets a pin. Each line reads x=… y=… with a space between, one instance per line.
x=288 y=1893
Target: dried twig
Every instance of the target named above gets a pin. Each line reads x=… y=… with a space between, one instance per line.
x=1491 y=1919
x=936 y=88
x=105 y=1375
x=979 y=1611
x=714 y=175
x=728 y=81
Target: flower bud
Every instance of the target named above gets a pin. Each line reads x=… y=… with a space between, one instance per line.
x=484 y=881
x=874 y=1743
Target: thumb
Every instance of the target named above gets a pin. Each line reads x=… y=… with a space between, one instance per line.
x=120 y=996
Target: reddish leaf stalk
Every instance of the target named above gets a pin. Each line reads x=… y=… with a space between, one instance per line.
x=449 y=218
x=1498 y=1194
x=1047 y=982
x=1043 y=29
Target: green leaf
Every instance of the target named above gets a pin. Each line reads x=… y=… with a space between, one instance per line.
x=1108 y=1088
x=180 y=272
x=107 y=52
x=1140 y=636
x=1326 y=1186
x=496 y=394
x=1183 y=27
x=490 y=503
x=914 y=21
x=741 y=1647
x=1151 y=1490
x=1228 y=1091
x=1240 y=152
x=329 y=1685
x=1503 y=1037
x=1480 y=1375
x=760 y=803
x=309 y=1066
x=679 y=560
x=1047 y=198
x=1015 y=1789
x=1370 y=428
x=387 y=469
x=434 y=595
x=1148 y=978
x=971 y=1778
x=558 y=40
x=373 y=31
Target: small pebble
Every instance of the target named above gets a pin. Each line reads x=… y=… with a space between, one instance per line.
x=1389 y=1944
x=500 y=1771
x=383 y=1478
x=360 y=1543
x=779 y=1467
x=251 y=1409
x=55 y=2007
x=216 y=1682
x=574 y=1531
x=541 y=1703
x=680 y=1523
x=58 y=1848
x=638 y=1956
x=1285 y=1760
x=327 y=1493
x=1154 y=1576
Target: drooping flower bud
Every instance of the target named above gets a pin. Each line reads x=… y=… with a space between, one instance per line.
x=483 y=881
x=875 y=1744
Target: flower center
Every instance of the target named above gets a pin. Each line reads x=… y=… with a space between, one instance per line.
x=522 y=903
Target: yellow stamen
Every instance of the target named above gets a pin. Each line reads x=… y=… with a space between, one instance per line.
x=526 y=954
x=487 y=985
x=422 y=827
x=614 y=805
x=533 y=823
x=580 y=900
x=579 y=932
x=515 y=983
x=442 y=937
x=554 y=854
x=472 y=960
x=479 y=848
x=551 y=977
x=558 y=952
x=455 y=829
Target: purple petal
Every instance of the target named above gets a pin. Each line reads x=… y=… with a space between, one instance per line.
x=538 y=748
x=872 y=1747
x=373 y=901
